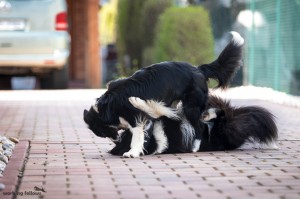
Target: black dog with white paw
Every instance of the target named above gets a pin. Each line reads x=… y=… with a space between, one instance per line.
x=227 y=128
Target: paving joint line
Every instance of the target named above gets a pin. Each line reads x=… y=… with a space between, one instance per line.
x=21 y=171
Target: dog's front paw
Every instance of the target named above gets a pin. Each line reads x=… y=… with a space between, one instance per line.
x=137 y=102
x=132 y=154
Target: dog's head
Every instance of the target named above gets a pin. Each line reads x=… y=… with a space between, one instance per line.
x=211 y=114
x=98 y=126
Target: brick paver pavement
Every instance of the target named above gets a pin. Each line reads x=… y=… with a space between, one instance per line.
x=65 y=160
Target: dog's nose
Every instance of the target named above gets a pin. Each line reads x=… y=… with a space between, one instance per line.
x=85 y=112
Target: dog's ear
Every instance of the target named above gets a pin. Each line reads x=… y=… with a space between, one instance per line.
x=106 y=114
x=106 y=108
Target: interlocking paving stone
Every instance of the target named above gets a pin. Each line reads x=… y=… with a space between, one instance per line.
x=67 y=161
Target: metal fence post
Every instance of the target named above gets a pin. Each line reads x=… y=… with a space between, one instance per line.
x=276 y=82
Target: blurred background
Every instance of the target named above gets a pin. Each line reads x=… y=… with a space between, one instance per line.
x=58 y=44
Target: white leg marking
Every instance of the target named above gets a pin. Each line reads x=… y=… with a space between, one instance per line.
x=137 y=141
x=160 y=137
x=188 y=133
x=196 y=145
x=153 y=108
x=139 y=103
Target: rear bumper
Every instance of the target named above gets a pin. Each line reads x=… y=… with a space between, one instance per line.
x=55 y=60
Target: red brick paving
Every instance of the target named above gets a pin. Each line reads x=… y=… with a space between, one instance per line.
x=67 y=161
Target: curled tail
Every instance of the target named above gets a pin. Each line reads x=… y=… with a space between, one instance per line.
x=228 y=62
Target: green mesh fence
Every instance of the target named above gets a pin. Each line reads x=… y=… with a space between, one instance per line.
x=273 y=55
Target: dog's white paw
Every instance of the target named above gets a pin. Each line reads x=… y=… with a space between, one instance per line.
x=137 y=102
x=132 y=154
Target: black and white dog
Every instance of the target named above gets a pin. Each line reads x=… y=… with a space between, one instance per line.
x=227 y=128
x=169 y=82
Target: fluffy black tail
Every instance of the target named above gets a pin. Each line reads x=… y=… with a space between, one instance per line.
x=253 y=124
x=228 y=62
x=235 y=126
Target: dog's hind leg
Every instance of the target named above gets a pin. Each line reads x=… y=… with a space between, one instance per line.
x=153 y=108
x=194 y=103
x=160 y=137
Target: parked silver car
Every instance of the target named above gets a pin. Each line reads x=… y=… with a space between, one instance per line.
x=34 y=40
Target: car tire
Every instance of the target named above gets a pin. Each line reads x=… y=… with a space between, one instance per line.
x=57 y=79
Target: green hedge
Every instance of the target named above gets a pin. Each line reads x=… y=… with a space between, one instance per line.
x=183 y=34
